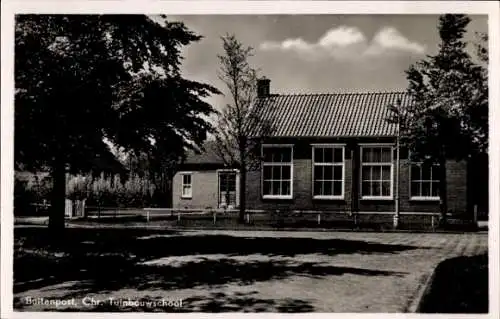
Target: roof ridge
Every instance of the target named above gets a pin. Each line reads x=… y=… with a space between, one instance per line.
x=341 y=93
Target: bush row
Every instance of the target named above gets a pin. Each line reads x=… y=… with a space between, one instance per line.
x=135 y=191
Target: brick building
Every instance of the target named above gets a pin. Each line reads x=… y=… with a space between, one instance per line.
x=327 y=152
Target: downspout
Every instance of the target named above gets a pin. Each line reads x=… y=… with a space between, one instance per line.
x=396 y=204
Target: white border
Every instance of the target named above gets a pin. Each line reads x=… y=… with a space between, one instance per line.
x=182 y=174
x=237 y=181
x=8 y=8
x=362 y=146
x=313 y=165
x=410 y=181
x=285 y=197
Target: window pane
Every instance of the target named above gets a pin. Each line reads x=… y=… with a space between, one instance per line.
x=415 y=172
x=318 y=172
x=285 y=187
x=222 y=183
x=337 y=188
x=377 y=155
x=228 y=182
x=321 y=188
x=415 y=189
x=426 y=189
x=186 y=190
x=435 y=172
x=386 y=188
x=386 y=173
x=276 y=172
x=317 y=188
x=186 y=179
x=328 y=188
x=435 y=189
x=268 y=154
x=267 y=188
x=367 y=154
x=376 y=173
x=337 y=155
x=328 y=170
x=318 y=155
x=286 y=172
x=337 y=172
x=277 y=154
x=268 y=172
x=276 y=190
x=366 y=189
x=426 y=173
x=286 y=154
x=366 y=173
x=386 y=155
x=376 y=189
x=328 y=153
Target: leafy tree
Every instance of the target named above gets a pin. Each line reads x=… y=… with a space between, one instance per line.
x=81 y=79
x=235 y=143
x=448 y=114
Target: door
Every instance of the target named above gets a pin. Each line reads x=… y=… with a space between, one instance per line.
x=227 y=189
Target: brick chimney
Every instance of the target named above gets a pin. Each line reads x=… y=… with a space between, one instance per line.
x=263 y=87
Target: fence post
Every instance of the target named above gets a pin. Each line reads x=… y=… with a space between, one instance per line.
x=319 y=218
x=475 y=213
x=178 y=216
x=248 y=218
x=147 y=216
x=432 y=222
x=215 y=217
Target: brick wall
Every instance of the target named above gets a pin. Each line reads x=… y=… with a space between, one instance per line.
x=457 y=186
x=302 y=188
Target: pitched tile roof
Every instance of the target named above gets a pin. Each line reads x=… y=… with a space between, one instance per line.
x=206 y=156
x=329 y=115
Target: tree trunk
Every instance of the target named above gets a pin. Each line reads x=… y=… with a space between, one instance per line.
x=243 y=182
x=58 y=198
x=443 y=191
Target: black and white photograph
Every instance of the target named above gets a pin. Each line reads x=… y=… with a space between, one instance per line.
x=249 y=161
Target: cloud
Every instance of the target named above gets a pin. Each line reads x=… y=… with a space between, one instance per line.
x=346 y=42
x=391 y=39
x=341 y=37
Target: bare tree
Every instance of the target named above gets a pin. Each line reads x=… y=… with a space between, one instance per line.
x=240 y=128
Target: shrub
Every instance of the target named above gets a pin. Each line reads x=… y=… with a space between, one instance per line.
x=104 y=191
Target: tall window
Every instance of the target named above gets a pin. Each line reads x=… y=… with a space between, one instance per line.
x=187 y=185
x=376 y=172
x=424 y=181
x=277 y=171
x=328 y=171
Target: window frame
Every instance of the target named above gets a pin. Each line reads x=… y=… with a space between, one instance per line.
x=183 y=174
x=422 y=198
x=237 y=181
x=333 y=164
x=371 y=164
x=263 y=164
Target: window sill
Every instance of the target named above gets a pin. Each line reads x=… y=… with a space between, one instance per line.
x=425 y=199
x=377 y=198
x=186 y=197
x=276 y=197
x=328 y=197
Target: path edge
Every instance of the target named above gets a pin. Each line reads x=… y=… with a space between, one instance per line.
x=423 y=291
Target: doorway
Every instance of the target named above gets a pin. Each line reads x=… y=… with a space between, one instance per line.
x=227 y=189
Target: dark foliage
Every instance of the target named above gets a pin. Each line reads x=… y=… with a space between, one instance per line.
x=81 y=79
x=460 y=286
